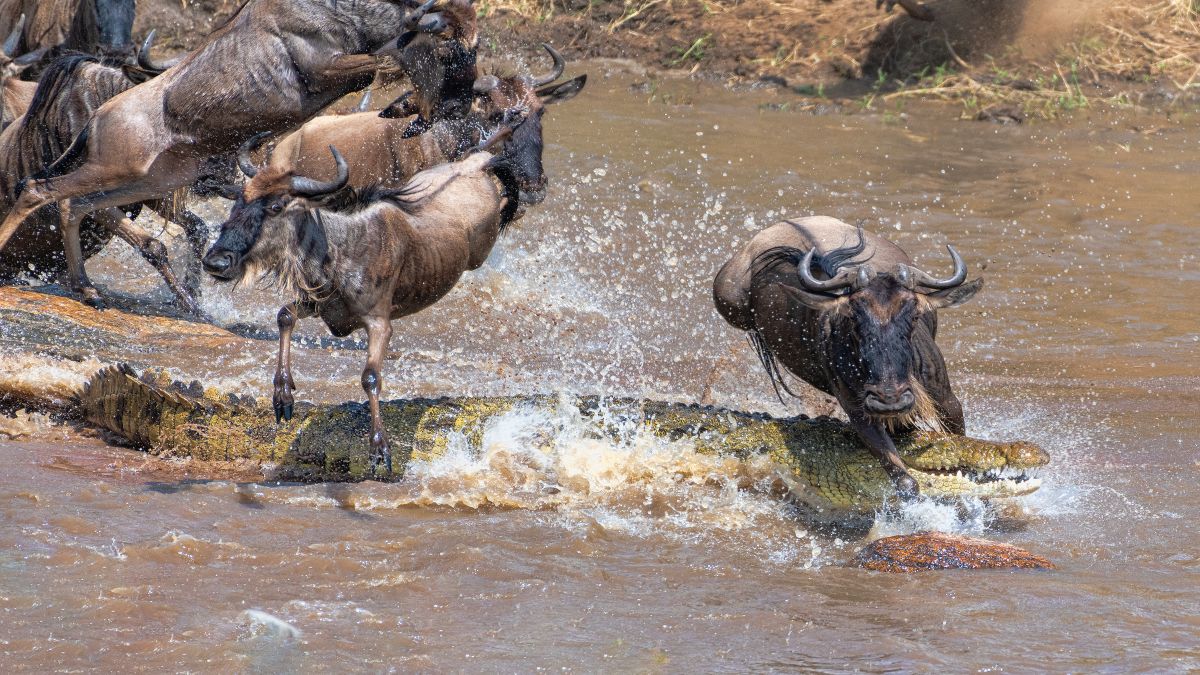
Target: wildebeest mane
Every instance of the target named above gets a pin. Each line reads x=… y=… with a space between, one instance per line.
x=770 y=364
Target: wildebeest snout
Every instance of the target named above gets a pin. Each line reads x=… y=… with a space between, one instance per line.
x=219 y=263
x=888 y=400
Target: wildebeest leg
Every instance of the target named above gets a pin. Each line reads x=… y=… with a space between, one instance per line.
x=881 y=445
x=76 y=274
x=348 y=66
x=152 y=250
x=197 y=236
x=379 y=333
x=282 y=399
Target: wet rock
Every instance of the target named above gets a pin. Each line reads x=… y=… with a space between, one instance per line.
x=1002 y=114
x=938 y=551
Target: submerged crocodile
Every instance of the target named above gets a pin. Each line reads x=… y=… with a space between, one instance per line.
x=820 y=461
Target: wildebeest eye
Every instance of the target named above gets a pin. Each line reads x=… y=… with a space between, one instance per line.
x=275 y=208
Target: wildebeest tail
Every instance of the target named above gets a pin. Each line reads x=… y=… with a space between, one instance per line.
x=72 y=158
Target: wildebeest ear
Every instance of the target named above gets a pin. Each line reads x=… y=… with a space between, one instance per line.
x=809 y=300
x=953 y=297
x=402 y=107
x=557 y=93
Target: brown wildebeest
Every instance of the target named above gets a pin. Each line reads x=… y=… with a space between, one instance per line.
x=15 y=93
x=915 y=9
x=70 y=91
x=362 y=258
x=273 y=65
x=861 y=328
x=53 y=26
x=378 y=150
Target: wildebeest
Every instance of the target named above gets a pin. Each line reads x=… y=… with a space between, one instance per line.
x=915 y=9
x=438 y=53
x=15 y=93
x=273 y=65
x=361 y=258
x=70 y=91
x=861 y=327
x=90 y=26
x=378 y=150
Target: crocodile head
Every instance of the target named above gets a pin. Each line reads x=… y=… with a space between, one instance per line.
x=832 y=470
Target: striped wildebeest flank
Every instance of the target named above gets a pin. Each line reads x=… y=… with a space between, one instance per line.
x=854 y=319
x=50 y=242
x=270 y=67
x=379 y=151
x=360 y=258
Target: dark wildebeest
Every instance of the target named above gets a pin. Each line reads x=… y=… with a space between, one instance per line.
x=915 y=9
x=378 y=150
x=860 y=326
x=438 y=55
x=273 y=65
x=70 y=91
x=361 y=259
x=102 y=27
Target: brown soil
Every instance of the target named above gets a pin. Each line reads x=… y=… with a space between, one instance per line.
x=1043 y=55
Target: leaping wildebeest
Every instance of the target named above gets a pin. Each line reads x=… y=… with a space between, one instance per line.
x=855 y=320
x=361 y=258
x=70 y=91
x=378 y=149
x=273 y=65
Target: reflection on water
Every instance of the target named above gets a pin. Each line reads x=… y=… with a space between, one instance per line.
x=643 y=555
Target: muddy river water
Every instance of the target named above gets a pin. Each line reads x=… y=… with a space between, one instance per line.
x=645 y=556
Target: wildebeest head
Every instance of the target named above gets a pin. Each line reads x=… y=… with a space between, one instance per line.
x=437 y=52
x=867 y=320
x=262 y=224
x=498 y=97
x=115 y=24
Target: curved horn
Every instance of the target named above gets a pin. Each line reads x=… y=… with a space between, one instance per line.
x=485 y=83
x=560 y=64
x=253 y=143
x=411 y=21
x=364 y=104
x=960 y=274
x=14 y=38
x=842 y=280
x=147 y=63
x=307 y=187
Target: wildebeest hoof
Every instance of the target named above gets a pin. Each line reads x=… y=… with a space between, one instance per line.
x=283 y=412
x=915 y=9
x=906 y=487
x=381 y=455
x=91 y=298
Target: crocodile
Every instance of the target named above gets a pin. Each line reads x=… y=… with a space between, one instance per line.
x=819 y=461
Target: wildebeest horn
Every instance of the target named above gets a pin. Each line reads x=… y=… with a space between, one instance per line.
x=560 y=64
x=842 y=280
x=307 y=187
x=418 y=21
x=243 y=158
x=364 y=104
x=960 y=274
x=14 y=38
x=147 y=63
x=485 y=83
